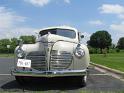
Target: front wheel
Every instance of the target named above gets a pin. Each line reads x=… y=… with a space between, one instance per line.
x=20 y=80
x=83 y=81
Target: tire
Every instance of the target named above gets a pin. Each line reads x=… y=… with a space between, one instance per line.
x=20 y=80
x=83 y=81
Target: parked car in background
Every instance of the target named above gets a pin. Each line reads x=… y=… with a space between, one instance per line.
x=56 y=53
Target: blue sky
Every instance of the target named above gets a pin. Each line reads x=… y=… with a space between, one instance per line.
x=24 y=17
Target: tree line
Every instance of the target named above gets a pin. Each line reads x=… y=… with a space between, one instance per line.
x=13 y=42
x=99 y=41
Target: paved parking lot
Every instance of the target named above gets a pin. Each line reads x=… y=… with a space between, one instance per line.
x=97 y=81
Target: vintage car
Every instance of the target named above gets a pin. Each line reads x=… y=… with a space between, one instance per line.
x=56 y=53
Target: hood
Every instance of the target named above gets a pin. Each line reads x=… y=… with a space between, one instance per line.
x=55 y=38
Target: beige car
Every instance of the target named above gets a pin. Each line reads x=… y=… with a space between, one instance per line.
x=56 y=53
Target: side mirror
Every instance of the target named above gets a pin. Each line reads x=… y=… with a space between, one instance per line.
x=82 y=36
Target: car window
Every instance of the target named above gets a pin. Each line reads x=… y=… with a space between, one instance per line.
x=62 y=32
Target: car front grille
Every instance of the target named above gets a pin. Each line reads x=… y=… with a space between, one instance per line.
x=38 y=60
x=60 y=60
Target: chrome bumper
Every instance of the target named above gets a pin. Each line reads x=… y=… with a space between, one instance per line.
x=50 y=73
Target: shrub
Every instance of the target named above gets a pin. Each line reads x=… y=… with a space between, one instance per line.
x=117 y=50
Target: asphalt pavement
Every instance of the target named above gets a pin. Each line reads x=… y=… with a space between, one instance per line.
x=96 y=82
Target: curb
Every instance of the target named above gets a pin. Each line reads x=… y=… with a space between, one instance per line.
x=117 y=72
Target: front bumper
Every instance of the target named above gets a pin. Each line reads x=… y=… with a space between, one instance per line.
x=62 y=73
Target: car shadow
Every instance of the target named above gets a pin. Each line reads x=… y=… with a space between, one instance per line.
x=42 y=84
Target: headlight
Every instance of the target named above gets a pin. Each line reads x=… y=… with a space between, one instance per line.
x=20 y=53
x=79 y=52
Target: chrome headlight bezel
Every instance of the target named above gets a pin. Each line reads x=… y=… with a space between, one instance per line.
x=20 y=53
x=79 y=52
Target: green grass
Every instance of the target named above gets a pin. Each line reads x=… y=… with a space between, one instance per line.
x=114 y=61
x=6 y=55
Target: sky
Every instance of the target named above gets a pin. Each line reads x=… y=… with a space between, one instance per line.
x=25 y=17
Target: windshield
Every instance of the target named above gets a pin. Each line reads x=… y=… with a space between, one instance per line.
x=62 y=32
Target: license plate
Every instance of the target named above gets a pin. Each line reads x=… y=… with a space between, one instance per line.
x=24 y=63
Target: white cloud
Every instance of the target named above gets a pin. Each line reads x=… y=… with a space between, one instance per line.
x=118 y=27
x=40 y=3
x=117 y=31
x=9 y=24
x=67 y=1
x=112 y=9
x=96 y=22
x=9 y=18
x=22 y=31
x=16 y=32
x=121 y=16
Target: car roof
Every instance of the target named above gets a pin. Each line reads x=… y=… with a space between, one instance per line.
x=59 y=27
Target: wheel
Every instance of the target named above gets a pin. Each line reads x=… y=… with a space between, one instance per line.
x=83 y=81
x=20 y=80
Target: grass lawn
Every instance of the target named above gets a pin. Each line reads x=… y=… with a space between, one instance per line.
x=115 y=60
x=6 y=55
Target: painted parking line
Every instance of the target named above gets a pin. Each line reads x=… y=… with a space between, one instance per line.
x=5 y=74
x=99 y=75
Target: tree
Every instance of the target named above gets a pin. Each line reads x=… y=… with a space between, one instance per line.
x=120 y=43
x=14 y=43
x=100 y=39
x=28 y=39
x=3 y=45
x=113 y=46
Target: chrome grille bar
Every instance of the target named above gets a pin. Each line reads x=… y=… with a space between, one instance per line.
x=38 y=60
x=60 y=60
